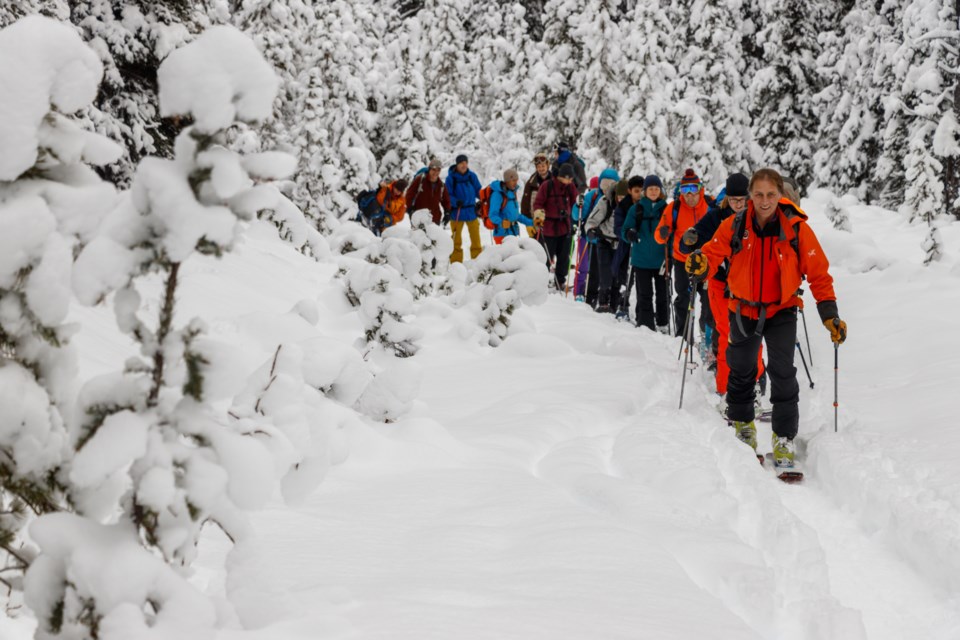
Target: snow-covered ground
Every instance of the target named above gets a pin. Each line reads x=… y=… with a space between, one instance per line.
x=550 y=488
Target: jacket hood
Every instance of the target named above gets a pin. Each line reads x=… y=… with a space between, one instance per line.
x=609 y=174
x=498 y=185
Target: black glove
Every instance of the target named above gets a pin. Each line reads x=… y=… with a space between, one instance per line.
x=696 y=266
x=592 y=233
x=446 y=218
x=631 y=235
x=664 y=231
x=690 y=237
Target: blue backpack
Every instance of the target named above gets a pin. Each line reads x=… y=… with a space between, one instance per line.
x=371 y=214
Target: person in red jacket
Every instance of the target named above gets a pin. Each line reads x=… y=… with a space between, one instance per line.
x=551 y=214
x=769 y=250
x=680 y=215
x=427 y=191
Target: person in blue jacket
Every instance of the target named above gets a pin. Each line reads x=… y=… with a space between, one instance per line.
x=504 y=207
x=646 y=256
x=464 y=189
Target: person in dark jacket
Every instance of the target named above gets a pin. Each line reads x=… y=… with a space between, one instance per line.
x=735 y=201
x=551 y=209
x=541 y=174
x=566 y=156
x=621 y=256
x=464 y=189
x=647 y=256
x=427 y=191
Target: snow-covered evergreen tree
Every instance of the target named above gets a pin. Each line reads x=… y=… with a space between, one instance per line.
x=598 y=84
x=781 y=92
x=646 y=143
x=50 y=201
x=151 y=446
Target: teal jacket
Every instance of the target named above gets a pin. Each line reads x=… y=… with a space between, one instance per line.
x=646 y=252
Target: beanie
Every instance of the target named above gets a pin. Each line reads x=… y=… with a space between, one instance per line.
x=461 y=158
x=690 y=177
x=652 y=181
x=635 y=181
x=562 y=146
x=400 y=184
x=622 y=188
x=738 y=185
x=510 y=174
x=434 y=164
x=594 y=182
x=566 y=171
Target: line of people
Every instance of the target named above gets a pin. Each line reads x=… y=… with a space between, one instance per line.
x=744 y=254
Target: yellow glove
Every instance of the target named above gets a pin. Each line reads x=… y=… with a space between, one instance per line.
x=538 y=217
x=506 y=224
x=837 y=329
x=696 y=265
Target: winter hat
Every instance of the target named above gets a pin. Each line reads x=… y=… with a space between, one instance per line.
x=690 y=177
x=652 y=181
x=461 y=158
x=563 y=146
x=738 y=185
x=400 y=184
x=594 y=182
x=510 y=174
x=635 y=181
x=434 y=164
x=566 y=171
x=623 y=188
x=609 y=174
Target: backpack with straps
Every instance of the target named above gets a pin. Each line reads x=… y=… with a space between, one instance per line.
x=371 y=214
x=483 y=205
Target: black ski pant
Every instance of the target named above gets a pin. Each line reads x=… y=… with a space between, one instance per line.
x=618 y=287
x=647 y=282
x=605 y=266
x=681 y=285
x=780 y=335
x=559 y=248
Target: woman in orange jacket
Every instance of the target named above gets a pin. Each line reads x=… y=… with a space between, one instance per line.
x=769 y=250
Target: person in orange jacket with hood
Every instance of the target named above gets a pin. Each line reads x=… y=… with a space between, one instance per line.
x=680 y=215
x=769 y=249
x=391 y=198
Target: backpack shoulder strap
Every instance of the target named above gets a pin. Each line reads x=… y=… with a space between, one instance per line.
x=736 y=236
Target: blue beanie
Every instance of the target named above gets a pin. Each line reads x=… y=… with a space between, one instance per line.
x=652 y=181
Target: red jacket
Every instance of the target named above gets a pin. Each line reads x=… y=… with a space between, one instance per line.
x=686 y=218
x=768 y=271
x=423 y=194
x=557 y=200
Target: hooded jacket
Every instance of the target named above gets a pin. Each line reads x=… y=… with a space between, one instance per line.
x=464 y=189
x=396 y=206
x=504 y=206
x=433 y=196
x=644 y=216
x=768 y=270
x=687 y=217
x=557 y=200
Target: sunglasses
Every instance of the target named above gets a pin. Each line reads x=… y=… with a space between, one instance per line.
x=689 y=188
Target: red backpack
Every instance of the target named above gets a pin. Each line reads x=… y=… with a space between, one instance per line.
x=483 y=206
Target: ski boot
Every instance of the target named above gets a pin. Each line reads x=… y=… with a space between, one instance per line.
x=747 y=433
x=722 y=408
x=664 y=329
x=784 y=459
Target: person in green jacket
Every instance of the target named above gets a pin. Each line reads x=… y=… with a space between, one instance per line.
x=646 y=256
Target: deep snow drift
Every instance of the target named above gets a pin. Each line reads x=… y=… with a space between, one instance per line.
x=549 y=488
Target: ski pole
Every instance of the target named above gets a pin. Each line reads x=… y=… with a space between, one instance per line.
x=804 y=360
x=691 y=313
x=806 y=334
x=836 y=367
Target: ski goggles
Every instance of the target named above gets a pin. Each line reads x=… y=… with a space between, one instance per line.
x=689 y=188
x=541 y=159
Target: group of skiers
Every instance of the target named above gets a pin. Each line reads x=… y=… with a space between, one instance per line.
x=745 y=254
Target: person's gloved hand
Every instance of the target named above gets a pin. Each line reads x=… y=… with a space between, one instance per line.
x=696 y=265
x=631 y=235
x=538 y=217
x=446 y=217
x=506 y=224
x=664 y=231
x=837 y=329
x=690 y=237
x=592 y=233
